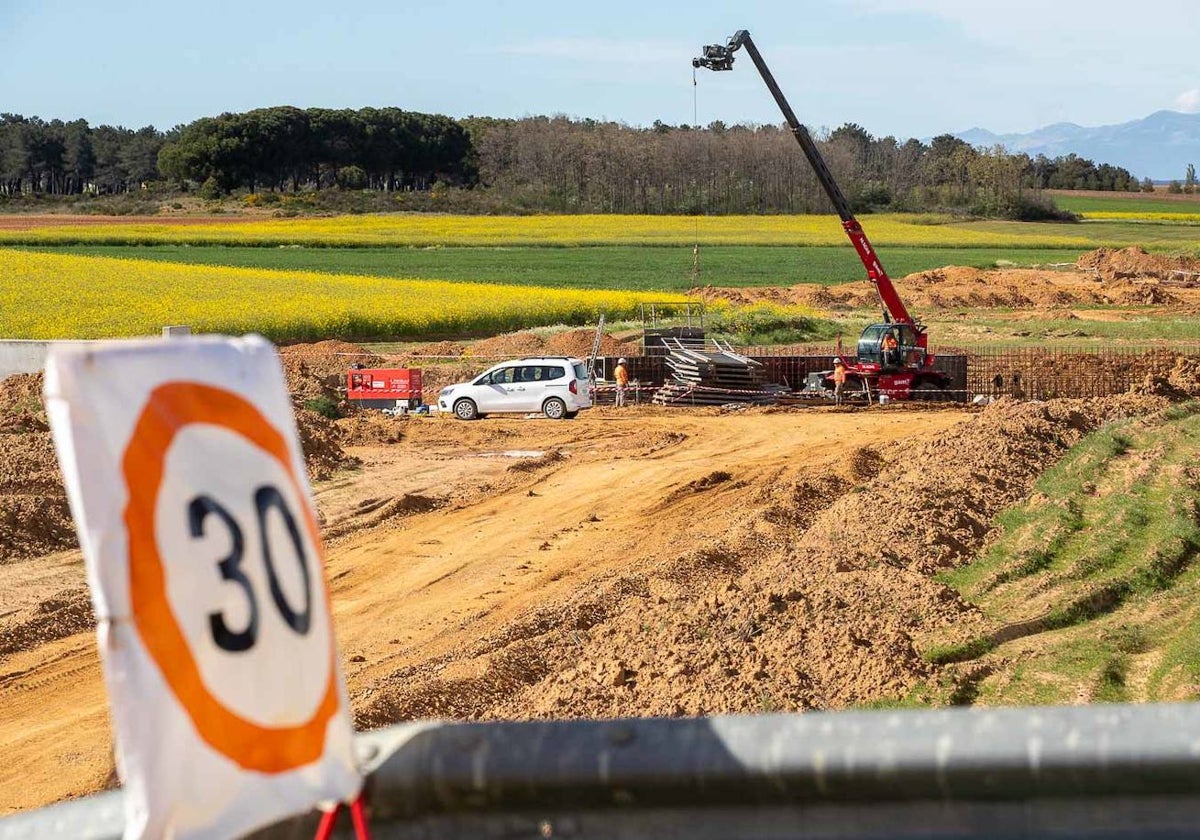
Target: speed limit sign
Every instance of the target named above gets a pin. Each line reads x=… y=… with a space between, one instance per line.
x=188 y=489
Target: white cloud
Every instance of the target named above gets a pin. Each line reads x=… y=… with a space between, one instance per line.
x=1188 y=101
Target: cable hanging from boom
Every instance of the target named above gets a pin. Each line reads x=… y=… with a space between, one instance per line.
x=696 y=126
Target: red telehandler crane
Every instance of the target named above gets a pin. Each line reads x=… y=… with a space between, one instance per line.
x=906 y=372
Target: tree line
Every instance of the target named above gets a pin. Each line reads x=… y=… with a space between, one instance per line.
x=291 y=148
x=536 y=164
x=582 y=165
x=70 y=158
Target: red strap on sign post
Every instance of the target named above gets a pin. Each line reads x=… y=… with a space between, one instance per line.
x=357 y=816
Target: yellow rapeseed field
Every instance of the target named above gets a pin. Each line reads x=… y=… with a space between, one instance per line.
x=50 y=296
x=431 y=230
x=1114 y=216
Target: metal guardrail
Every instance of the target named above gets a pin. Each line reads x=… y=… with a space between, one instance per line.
x=1098 y=771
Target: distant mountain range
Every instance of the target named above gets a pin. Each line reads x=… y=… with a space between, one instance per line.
x=1159 y=146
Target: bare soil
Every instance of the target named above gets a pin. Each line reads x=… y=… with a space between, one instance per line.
x=576 y=343
x=1133 y=264
x=630 y=562
x=645 y=561
x=1128 y=277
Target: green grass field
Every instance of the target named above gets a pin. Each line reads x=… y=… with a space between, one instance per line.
x=1126 y=203
x=659 y=268
x=1153 y=234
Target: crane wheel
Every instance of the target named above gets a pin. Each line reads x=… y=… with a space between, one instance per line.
x=929 y=392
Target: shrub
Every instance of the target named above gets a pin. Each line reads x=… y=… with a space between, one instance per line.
x=325 y=406
x=351 y=178
x=210 y=189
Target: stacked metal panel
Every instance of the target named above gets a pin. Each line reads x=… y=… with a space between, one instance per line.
x=713 y=377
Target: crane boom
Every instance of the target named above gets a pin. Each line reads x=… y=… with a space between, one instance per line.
x=720 y=57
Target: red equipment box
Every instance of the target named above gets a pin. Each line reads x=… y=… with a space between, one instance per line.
x=384 y=385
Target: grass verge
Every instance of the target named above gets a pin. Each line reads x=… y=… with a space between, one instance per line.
x=1091 y=586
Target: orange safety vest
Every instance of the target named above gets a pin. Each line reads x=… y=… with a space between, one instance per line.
x=890 y=343
x=839 y=375
x=622 y=375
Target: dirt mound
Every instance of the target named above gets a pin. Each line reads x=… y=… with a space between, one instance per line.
x=865 y=463
x=815 y=596
x=1140 y=295
x=831 y=620
x=907 y=520
x=512 y=345
x=318 y=370
x=371 y=513
x=578 y=343
x=21 y=404
x=1185 y=375
x=67 y=612
x=320 y=349
x=33 y=525
x=958 y=287
x=706 y=482
x=1134 y=263
x=323 y=452
x=1181 y=381
x=546 y=459
x=436 y=377
x=439 y=349
x=34 y=516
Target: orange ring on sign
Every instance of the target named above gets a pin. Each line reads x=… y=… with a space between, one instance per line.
x=169 y=409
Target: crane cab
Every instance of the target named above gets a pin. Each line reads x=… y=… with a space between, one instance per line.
x=908 y=354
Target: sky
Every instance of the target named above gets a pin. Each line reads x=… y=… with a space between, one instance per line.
x=908 y=68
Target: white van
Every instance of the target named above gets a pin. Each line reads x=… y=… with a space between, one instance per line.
x=556 y=386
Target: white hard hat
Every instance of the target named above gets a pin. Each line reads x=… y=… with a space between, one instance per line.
x=621 y=360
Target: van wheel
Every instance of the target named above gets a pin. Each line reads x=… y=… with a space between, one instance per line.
x=466 y=410
x=554 y=408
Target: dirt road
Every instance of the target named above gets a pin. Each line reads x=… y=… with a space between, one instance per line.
x=440 y=540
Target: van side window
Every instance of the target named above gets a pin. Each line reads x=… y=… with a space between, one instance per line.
x=553 y=372
x=503 y=376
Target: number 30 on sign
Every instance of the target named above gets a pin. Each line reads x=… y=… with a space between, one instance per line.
x=202 y=547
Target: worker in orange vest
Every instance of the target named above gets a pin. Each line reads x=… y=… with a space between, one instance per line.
x=891 y=350
x=621 y=375
x=839 y=380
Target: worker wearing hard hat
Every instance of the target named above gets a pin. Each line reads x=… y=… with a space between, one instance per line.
x=839 y=380
x=621 y=375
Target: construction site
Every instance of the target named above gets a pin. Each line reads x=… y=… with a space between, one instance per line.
x=653 y=560
x=890 y=521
